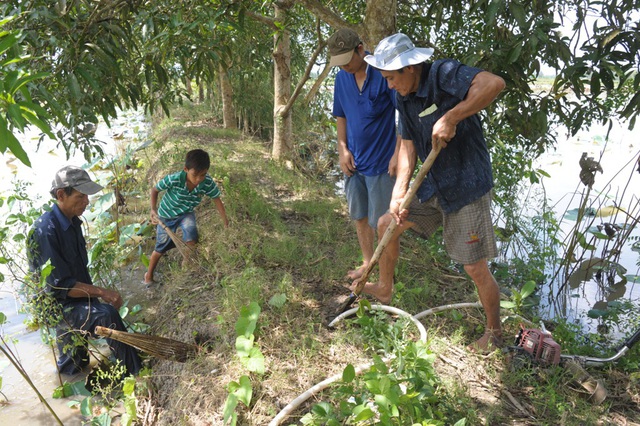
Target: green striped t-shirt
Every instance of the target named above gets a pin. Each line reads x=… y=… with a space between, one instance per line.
x=178 y=200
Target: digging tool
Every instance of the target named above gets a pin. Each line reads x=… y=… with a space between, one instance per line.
x=386 y=238
x=157 y=346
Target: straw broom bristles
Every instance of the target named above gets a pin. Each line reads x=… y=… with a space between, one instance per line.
x=185 y=250
x=157 y=346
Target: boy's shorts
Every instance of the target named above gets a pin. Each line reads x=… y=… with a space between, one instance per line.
x=468 y=233
x=186 y=222
x=368 y=196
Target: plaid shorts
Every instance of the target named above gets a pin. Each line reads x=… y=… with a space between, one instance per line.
x=468 y=233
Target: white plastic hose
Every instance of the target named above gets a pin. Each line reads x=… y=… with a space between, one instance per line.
x=391 y=309
x=323 y=384
x=447 y=307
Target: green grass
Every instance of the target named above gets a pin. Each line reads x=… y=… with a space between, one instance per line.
x=291 y=242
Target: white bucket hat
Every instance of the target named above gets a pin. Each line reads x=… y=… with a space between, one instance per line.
x=397 y=51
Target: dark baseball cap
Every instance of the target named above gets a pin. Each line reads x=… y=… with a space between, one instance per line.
x=341 y=46
x=76 y=178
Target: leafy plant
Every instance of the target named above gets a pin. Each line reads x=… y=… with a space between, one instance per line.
x=250 y=356
x=520 y=299
x=406 y=391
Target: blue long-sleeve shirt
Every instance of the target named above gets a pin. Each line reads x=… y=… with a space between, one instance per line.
x=56 y=237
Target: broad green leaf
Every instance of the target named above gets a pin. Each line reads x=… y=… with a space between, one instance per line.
x=528 y=288
x=321 y=409
x=144 y=259
x=514 y=54
x=248 y=318
x=244 y=392
x=73 y=85
x=255 y=362
x=365 y=413
x=11 y=142
x=582 y=240
x=7 y=42
x=245 y=327
x=25 y=79
x=633 y=278
x=15 y=113
x=85 y=407
x=129 y=386
x=103 y=419
x=3 y=318
x=229 y=415
x=507 y=304
x=597 y=313
x=348 y=374
x=278 y=300
x=244 y=345
x=382 y=401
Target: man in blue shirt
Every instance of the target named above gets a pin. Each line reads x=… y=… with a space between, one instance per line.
x=364 y=108
x=438 y=104
x=57 y=236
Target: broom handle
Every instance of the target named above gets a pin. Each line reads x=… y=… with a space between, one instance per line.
x=388 y=234
x=104 y=331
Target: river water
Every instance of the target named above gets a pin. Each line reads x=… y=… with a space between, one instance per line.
x=618 y=182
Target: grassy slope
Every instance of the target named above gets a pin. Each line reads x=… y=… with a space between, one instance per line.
x=290 y=234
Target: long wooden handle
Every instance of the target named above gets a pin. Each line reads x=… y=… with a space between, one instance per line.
x=386 y=237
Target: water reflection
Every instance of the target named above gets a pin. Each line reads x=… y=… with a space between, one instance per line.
x=597 y=275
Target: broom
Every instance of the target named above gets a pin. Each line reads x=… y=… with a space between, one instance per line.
x=386 y=237
x=161 y=347
x=185 y=250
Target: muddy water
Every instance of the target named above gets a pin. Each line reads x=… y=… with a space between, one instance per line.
x=23 y=406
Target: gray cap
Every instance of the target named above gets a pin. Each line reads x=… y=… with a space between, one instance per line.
x=341 y=46
x=76 y=178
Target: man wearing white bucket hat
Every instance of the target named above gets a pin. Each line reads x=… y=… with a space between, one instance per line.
x=438 y=104
x=364 y=108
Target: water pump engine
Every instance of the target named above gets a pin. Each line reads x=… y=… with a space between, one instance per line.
x=539 y=344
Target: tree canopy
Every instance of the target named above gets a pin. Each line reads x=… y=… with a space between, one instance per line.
x=66 y=64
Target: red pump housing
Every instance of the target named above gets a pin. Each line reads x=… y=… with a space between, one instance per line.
x=539 y=344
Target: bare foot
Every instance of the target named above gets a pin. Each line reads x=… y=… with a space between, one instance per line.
x=489 y=342
x=356 y=273
x=379 y=291
x=148 y=279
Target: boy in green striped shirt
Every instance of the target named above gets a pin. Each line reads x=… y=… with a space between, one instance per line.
x=184 y=192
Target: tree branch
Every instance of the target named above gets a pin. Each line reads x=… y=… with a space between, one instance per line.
x=327 y=15
x=307 y=72
x=261 y=18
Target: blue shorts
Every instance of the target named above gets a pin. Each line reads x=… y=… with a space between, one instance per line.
x=368 y=196
x=186 y=222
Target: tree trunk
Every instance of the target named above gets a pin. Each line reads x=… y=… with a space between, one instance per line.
x=228 y=110
x=201 y=92
x=282 y=122
x=379 y=21
x=187 y=84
